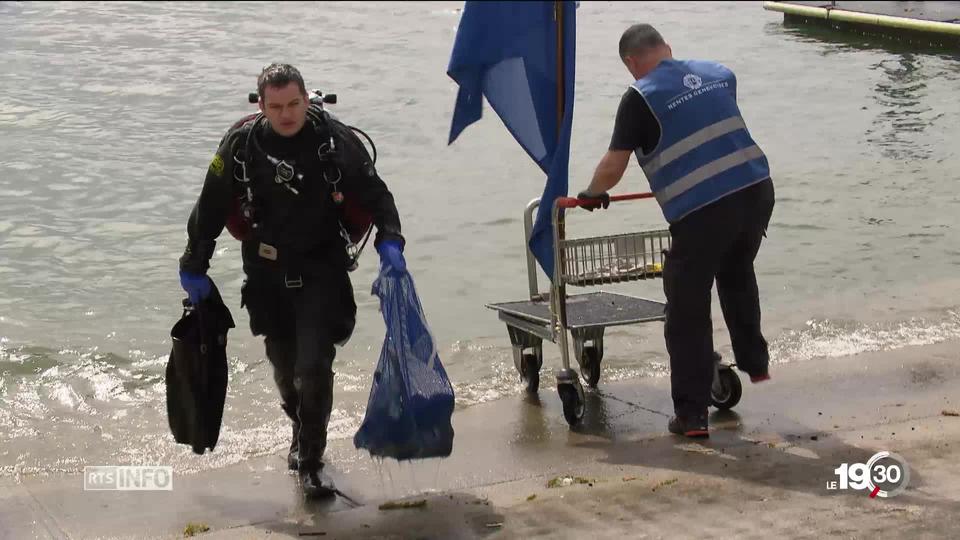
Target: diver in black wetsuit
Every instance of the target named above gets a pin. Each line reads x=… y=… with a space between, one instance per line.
x=280 y=181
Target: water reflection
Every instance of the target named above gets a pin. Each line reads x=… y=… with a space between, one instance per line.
x=844 y=39
x=906 y=110
x=597 y=420
x=532 y=426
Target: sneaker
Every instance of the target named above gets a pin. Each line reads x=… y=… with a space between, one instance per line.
x=689 y=426
x=759 y=378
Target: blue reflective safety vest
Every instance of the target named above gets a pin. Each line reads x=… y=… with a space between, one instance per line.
x=705 y=151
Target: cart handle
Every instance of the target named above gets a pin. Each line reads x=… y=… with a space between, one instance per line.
x=572 y=202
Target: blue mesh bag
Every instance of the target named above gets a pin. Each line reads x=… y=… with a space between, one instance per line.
x=411 y=400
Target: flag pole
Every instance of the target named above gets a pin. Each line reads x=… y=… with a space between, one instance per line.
x=558 y=290
x=558 y=17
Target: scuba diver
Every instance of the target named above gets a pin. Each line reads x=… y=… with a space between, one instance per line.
x=295 y=185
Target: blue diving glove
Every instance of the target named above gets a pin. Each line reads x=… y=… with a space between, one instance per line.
x=196 y=285
x=391 y=254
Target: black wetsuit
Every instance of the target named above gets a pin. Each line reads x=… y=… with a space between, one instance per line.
x=298 y=291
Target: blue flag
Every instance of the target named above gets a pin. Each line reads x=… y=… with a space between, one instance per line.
x=507 y=53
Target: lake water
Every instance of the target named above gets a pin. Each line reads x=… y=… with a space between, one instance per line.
x=112 y=111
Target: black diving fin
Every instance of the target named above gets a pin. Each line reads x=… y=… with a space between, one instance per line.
x=196 y=374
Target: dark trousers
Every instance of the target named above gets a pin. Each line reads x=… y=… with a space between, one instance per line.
x=301 y=326
x=717 y=242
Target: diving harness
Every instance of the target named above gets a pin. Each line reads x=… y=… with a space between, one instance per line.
x=287 y=173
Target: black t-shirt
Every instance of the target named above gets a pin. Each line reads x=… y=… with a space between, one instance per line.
x=636 y=126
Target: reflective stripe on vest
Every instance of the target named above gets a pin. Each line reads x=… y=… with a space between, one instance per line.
x=685 y=183
x=678 y=149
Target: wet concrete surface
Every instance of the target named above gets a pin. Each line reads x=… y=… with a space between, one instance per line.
x=782 y=444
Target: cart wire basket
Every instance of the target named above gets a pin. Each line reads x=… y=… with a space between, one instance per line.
x=617 y=258
x=587 y=262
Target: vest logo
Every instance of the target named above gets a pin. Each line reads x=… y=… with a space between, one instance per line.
x=692 y=81
x=697 y=89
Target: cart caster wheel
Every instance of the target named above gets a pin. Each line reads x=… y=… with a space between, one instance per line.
x=590 y=366
x=571 y=395
x=729 y=392
x=531 y=364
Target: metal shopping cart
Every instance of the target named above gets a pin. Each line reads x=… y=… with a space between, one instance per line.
x=584 y=262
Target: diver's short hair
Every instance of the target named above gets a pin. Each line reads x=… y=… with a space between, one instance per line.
x=639 y=38
x=279 y=75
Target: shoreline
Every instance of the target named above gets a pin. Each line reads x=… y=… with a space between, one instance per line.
x=91 y=429
x=843 y=410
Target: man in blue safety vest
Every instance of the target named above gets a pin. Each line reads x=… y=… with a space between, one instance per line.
x=712 y=181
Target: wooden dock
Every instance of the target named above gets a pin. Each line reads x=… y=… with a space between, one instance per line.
x=931 y=23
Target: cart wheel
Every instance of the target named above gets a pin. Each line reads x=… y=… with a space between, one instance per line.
x=730 y=390
x=531 y=364
x=590 y=365
x=571 y=395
